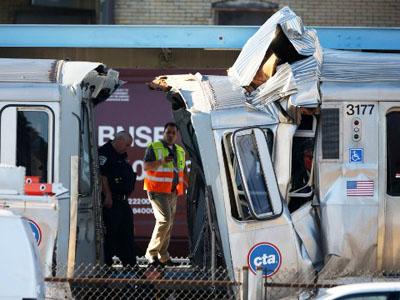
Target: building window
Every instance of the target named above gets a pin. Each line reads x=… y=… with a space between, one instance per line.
x=243 y=13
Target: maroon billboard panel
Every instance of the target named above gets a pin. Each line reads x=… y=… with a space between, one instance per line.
x=143 y=112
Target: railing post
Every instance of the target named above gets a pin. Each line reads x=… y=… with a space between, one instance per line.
x=259 y=284
x=245 y=283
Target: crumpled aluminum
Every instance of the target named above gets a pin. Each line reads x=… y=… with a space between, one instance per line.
x=299 y=80
x=253 y=52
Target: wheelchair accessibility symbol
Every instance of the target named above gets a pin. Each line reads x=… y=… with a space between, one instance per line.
x=356 y=155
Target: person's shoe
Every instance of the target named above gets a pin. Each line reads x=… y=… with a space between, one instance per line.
x=169 y=263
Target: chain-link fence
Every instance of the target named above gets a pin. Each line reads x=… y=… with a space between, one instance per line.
x=289 y=284
x=191 y=283
x=141 y=282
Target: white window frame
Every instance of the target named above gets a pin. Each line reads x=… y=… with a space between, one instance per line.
x=267 y=170
x=9 y=135
x=307 y=134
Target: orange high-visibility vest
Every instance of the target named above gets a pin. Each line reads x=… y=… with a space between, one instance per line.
x=161 y=179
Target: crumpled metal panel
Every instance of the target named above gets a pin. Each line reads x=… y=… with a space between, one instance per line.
x=253 y=52
x=243 y=117
x=189 y=86
x=222 y=93
x=350 y=235
x=348 y=66
x=305 y=223
x=299 y=80
x=216 y=93
x=306 y=73
x=302 y=39
x=281 y=85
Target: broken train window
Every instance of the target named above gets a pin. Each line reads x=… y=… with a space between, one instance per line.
x=252 y=184
x=301 y=188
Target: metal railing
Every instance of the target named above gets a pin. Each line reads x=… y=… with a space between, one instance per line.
x=141 y=282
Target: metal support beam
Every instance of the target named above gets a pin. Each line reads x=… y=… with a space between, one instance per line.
x=349 y=38
x=208 y=37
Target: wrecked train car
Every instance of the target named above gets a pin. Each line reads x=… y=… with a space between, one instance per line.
x=295 y=160
x=48 y=158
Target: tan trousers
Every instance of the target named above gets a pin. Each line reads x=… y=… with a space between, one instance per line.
x=164 y=208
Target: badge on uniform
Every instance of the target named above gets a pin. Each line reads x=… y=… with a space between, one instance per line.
x=102 y=160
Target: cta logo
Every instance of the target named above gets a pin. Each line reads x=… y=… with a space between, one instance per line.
x=265 y=255
x=37 y=233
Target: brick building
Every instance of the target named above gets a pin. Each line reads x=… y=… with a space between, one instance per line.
x=313 y=12
x=382 y=13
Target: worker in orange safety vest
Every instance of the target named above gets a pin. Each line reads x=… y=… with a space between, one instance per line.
x=164 y=165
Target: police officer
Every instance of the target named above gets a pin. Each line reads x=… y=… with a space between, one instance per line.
x=118 y=181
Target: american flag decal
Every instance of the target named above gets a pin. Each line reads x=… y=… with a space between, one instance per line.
x=360 y=188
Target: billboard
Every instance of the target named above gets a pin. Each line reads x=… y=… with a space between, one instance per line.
x=143 y=113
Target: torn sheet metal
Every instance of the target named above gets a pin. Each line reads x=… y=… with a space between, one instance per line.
x=298 y=80
x=306 y=225
x=306 y=74
x=253 y=52
x=206 y=93
x=281 y=85
x=296 y=83
x=222 y=93
x=190 y=88
x=213 y=93
x=302 y=39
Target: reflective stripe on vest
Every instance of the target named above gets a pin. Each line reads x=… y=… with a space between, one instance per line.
x=161 y=179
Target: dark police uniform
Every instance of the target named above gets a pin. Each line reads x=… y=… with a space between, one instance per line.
x=118 y=220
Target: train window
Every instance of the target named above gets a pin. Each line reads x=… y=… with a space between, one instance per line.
x=252 y=178
x=239 y=203
x=301 y=190
x=393 y=153
x=27 y=140
x=33 y=142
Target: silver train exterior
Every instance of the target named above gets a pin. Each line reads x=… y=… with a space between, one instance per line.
x=46 y=115
x=250 y=186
